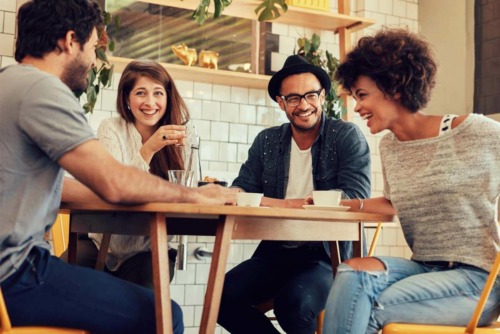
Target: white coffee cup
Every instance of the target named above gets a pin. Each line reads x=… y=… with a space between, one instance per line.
x=327 y=197
x=248 y=199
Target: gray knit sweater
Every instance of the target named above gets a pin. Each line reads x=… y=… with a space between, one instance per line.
x=446 y=190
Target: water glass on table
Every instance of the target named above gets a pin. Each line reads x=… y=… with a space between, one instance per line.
x=184 y=177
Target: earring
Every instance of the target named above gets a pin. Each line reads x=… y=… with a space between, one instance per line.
x=128 y=106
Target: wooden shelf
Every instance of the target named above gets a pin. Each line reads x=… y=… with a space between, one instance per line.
x=298 y=16
x=315 y=19
x=200 y=74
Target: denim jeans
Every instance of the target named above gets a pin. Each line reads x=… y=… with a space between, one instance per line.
x=408 y=292
x=297 y=279
x=48 y=292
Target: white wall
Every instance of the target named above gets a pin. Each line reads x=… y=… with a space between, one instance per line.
x=449 y=26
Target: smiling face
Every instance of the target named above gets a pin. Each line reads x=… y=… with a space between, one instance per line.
x=306 y=116
x=378 y=109
x=148 y=103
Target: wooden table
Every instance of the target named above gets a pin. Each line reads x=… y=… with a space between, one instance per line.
x=226 y=223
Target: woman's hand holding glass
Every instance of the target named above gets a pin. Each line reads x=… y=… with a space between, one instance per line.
x=165 y=135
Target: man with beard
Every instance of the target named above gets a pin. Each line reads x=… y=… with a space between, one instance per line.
x=286 y=163
x=42 y=131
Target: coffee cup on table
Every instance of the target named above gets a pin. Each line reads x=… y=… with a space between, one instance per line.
x=248 y=199
x=327 y=197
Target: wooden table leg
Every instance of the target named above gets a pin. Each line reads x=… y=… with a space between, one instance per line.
x=216 y=277
x=161 y=280
x=72 y=247
x=334 y=255
x=357 y=246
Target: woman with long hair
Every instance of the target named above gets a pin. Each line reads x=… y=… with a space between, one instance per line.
x=150 y=134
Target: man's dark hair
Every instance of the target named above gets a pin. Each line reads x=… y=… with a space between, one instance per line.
x=41 y=23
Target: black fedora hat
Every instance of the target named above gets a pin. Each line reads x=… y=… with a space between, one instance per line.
x=295 y=65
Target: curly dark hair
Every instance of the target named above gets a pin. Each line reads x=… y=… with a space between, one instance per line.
x=398 y=61
x=170 y=156
x=41 y=23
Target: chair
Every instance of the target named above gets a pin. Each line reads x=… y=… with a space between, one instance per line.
x=60 y=234
x=374 y=240
x=472 y=325
x=6 y=327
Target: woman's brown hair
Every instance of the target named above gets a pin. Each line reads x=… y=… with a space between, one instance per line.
x=169 y=157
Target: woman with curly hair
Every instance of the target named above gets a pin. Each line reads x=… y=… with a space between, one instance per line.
x=442 y=179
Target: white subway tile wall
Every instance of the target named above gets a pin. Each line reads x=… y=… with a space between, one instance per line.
x=228 y=118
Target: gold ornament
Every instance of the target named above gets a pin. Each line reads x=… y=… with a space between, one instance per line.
x=209 y=59
x=187 y=55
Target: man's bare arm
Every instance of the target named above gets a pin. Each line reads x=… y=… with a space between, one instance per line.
x=74 y=191
x=91 y=164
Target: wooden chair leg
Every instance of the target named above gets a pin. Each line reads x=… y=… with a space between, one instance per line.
x=103 y=252
x=319 y=327
x=375 y=239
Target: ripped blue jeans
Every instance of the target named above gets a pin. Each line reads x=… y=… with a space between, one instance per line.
x=409 y=292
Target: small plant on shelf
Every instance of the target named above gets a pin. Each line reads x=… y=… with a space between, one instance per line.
x=309 y=49
x=99 y=76
x=267 y=10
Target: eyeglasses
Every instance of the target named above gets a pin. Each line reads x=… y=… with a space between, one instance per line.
x=311 y=97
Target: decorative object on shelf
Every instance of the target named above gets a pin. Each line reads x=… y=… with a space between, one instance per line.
x=99 y=77
x=323 y=5
x=209 y=59
x=267 y=10
x=187 y=55
x=309 y=49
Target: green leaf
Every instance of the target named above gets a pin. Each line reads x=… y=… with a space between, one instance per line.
x=111 y=46
x=87 y=108
x=91 y=93
x=107 y=17
x=101 y=55
x=200 y=14
x=269 y=9
x=315 y=41
x=104 y=77
x=91 y=75
x=218 y=8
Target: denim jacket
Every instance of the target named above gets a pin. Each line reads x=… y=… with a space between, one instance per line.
x=340 y=158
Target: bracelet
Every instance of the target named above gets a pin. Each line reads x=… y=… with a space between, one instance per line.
x=361 y=204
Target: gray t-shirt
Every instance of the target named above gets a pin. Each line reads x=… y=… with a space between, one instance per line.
x=445 y=190
x=40 y=121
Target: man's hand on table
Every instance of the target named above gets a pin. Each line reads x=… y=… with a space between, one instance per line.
x=216 y=194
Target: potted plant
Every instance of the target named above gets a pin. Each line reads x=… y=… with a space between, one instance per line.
x=268 y=9
x=309 y=49
x=99 y=77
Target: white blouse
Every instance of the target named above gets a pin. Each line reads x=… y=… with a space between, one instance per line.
x=123 y=141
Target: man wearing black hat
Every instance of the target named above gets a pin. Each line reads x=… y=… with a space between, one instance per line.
x=287 y=163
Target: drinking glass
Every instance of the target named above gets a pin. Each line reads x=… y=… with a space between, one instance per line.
x=184 y=177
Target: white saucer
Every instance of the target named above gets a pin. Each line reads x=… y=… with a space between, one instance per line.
x=326 y=207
